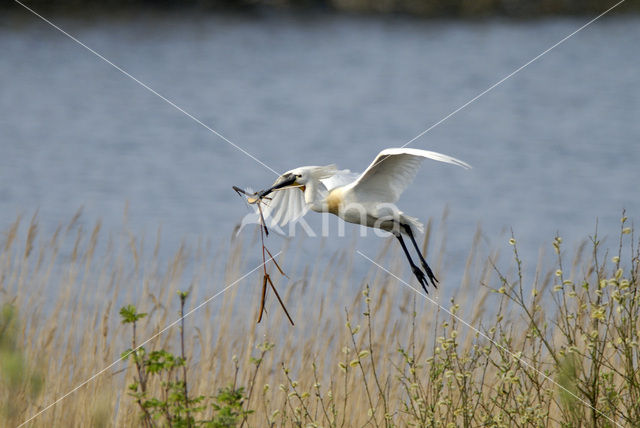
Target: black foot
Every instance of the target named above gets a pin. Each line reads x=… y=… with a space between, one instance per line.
x=421 y=278
x=425 y=266
x=432 y=277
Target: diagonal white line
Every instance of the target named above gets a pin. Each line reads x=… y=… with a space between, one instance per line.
x=162 y=97
x=513 y=73
x=80 y=385
x=462 y=321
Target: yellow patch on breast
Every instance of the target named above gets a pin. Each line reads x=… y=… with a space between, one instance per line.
x=333 y=201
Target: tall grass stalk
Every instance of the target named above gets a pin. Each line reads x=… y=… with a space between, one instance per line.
x=370 y=353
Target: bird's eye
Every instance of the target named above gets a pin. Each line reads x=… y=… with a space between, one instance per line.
x=299 y=175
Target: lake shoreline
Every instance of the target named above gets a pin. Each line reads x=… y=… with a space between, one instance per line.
x=454 y=9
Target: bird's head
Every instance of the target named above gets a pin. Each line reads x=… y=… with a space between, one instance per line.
x=300 y=177
x=288 y=179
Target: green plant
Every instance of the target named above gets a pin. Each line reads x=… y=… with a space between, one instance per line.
x=20 y=380
x=551 y=342
x=591 y=353
x=174 y=407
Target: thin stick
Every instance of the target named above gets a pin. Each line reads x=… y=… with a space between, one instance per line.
x=265 y=278
x=264 y=293
x=263 y=230
x=276 y=263
x=263 y=226
x=280 y=300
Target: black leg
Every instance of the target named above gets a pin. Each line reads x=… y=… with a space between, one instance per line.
x=425 y=266
x=416 y=270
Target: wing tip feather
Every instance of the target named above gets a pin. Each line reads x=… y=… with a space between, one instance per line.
x=426 y=154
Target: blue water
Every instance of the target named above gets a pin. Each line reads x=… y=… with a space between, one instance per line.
x=553 y=148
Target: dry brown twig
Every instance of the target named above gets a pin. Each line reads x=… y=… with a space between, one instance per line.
x=254 y=198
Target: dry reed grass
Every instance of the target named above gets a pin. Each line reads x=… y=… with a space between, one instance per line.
x=379 y=357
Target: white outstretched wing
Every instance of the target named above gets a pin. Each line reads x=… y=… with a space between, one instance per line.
x=284 y=205
x=393 y=170
x=339 y=178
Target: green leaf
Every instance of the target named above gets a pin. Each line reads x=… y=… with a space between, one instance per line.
x=129 y=314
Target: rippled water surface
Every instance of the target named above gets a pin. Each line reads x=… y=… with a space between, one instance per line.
x=553 y=148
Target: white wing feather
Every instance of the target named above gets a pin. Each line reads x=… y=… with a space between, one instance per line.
x=383 y=181
x=286 y=205
x=393 y=170
x=340 y=178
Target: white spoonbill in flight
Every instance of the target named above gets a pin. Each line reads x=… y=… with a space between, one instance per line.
x=367 y=199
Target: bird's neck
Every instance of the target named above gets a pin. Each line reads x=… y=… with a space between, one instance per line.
x=314 y=195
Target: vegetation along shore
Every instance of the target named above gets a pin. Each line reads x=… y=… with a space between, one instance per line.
x=420 y=8
x=555 y=347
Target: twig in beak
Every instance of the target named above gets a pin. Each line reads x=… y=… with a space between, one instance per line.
x=241 y=192
x=263 y=224
x=258 y=198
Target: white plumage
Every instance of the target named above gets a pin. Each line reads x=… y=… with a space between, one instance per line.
x=368 y=198
x=393 y=170
x=285 y=206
